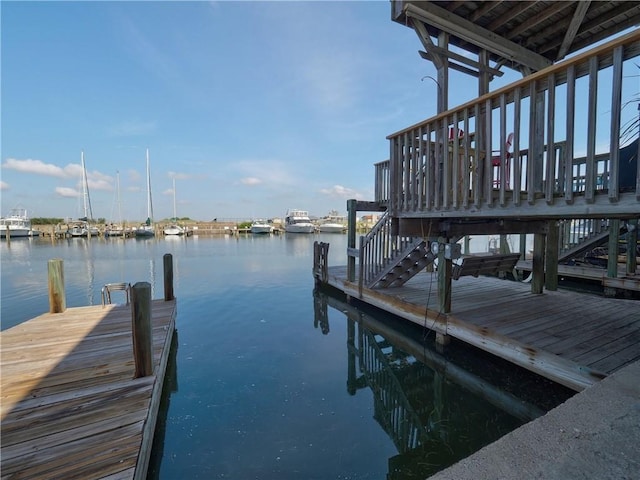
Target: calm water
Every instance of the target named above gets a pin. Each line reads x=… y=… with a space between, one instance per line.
x=270 y=379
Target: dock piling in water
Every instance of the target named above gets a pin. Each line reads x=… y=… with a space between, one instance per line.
x=142 y=332
x=57 y=300
x=168 y=276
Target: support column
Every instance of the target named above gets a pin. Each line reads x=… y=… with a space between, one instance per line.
x=351 y=239
x=537 y=269
x=612 y=250
x=444 y=278
x=632 y=241
x=553 y=247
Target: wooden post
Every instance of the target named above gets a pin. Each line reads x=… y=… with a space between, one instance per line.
x=168 y=277
x=57 y=300
x=351 y=239
x=141 y=326
x=612 y=251
x=537 y=269
x=444 y=278
x=551 y=258
x=632 y=241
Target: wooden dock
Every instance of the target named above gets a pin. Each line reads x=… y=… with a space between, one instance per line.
x=572 y=338
x=70 y=405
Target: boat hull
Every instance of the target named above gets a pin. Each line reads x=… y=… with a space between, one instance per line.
x=300 y=228
x=174 y=230
x=332 y=228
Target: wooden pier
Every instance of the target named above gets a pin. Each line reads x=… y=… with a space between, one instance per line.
x=572 y=338
x=71 y=407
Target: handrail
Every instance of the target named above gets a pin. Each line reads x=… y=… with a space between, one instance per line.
x=377 y=249
x=552 y=114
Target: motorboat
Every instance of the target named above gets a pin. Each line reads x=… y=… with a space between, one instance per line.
x=18 y=224
x=333 y=223
x=173 y=229
x=298 y=221
x=260 y=227
x=79 y=228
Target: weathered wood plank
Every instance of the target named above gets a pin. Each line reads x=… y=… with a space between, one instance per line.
x=573 y=338
x=70 y=406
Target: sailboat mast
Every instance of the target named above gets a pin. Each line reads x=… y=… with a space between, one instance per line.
x=175 y=217
x=88 y=214
x=149 y=204
x=119 y=203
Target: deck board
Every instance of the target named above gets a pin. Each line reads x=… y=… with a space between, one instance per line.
x=70 y=405
x=570 y=337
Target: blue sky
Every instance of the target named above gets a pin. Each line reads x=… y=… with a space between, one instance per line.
x=254 y=107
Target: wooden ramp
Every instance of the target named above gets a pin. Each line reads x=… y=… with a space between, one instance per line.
x=572 y=338
x=70 y=406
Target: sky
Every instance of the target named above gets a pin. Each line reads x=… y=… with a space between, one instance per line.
x=253 y=108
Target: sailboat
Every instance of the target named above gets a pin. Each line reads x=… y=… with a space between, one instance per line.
x=83 y=226
x=174 y=229
x=116 y=230
x=147 y=228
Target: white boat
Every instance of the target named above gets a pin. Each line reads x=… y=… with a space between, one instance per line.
x=174 y=229
x=147 y=229
x=79 y=228
x=333 y=223
x=298 y=221
x=18 y=224
x=260 y=227
x=116 y=229
x=89 y=229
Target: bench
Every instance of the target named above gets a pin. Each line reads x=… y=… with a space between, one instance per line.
x=485 y=264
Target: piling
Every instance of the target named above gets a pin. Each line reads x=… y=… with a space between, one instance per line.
x=57 y=300
x=141 y=326
x=167 y=260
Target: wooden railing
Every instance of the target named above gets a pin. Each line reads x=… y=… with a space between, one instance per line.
x=515 y=148
x=378 y=248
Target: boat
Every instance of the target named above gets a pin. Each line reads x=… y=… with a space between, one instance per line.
x=147 y=228
x=84 y=226
x=116 y=229
x=260 y=227
x=79 y=228
x=174 y=228
x=18 y=224
x=333 y=223
x=298 y=221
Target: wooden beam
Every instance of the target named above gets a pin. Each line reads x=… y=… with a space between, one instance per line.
x=574 y=26
x=460 y=58
x=432 y=14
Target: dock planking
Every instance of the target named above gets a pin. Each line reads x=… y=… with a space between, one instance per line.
x=572 y=338
x=70 y=405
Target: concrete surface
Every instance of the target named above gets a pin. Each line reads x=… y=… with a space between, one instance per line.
x=593 y=435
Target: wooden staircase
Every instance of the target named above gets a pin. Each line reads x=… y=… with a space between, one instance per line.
x=390 y=260
x=412 y=260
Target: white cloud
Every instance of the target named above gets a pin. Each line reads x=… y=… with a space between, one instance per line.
x=38 y=167
x=271 y=173
x=338 y=191
x=250 y=181
x=67 y=192
x=4 y=185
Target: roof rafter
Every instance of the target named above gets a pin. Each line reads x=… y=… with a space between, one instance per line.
x=576 y=21
x=440 y=18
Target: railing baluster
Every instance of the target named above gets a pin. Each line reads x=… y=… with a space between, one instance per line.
x=616 y=107
x=592 y=102
x=516 y=159
x=568 y=159
x=551 y=151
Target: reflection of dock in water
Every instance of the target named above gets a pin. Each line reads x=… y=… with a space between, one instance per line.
x=434 y=411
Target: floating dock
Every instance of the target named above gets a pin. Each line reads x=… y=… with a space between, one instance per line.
x=71 y=407
x=572 y=338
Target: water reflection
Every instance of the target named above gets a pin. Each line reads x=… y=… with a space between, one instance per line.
x=433 y=410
